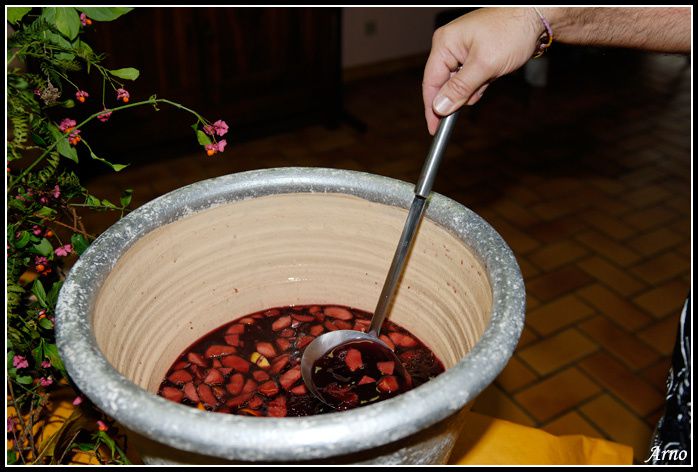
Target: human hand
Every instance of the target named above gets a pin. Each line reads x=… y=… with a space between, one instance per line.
x=489 y=43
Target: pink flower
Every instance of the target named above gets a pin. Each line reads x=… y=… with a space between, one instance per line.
x=40 y=260
x=102 y=426
x=104 y=116
x=46 y=364
x=81 y=95
x=85 y=20
x=45 y=381
x=74 y=138
x=64 y=250
x=221 y=127
x=122 y=94
x=11 y=423
x=221 y=145
x=37 y=92
x=67 y=125
x=56 y=191
x=43 y=200
x=209 y=129
x=36 y=230
x=77 y=401
x=20 y=362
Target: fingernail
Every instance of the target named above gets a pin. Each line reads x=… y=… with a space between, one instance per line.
x=442 y=105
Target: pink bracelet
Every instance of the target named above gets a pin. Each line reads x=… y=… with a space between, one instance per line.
x=545 y=39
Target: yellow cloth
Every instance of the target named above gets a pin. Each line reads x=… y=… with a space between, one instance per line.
x=488 y=441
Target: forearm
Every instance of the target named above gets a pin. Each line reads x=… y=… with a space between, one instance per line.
x=662 y=29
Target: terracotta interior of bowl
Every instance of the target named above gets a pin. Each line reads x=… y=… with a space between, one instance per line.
x=189 y=277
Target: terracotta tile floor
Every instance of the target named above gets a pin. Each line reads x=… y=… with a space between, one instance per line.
x=587 y=180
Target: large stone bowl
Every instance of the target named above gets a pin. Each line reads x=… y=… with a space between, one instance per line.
x=205 y=254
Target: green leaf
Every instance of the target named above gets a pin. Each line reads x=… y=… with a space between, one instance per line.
x=52 y=295
x=104 y=13
x=23 y=239
x=63 y=146
x=44 y=247
x=66 y=20
x=51 y=353
x=38 y=353
x=85 y=447
x=11 y=457
x=38 y=290
x=38 y=140
x=24 y=379
x=115 y=167
x=127 y=73
x=46 y=212
x=93 y=201
x=202 y=138
x=83 y=49
x=14 y=14
x=108 y=204
x=126 y=197
x=79 y=243
x=45 y=323
x=106 y=439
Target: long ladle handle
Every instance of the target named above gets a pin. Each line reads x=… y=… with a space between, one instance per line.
x=421 y=192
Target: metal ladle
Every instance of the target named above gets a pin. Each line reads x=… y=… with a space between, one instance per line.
x=327 y=342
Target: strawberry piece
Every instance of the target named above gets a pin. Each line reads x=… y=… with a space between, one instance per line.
x=255 y=402
x=279 y=363
x=225 y=370
x=316 y=330
x=303 y=318
x=173 y=394
x=190 y=392
x=402 y=339
x=247 y=321
x=342 y=324
x=314 y=309
x=179 y=377
x=235 y=384
x=330 y=326
x=269 y=388
x=248 y=412
x=232 y=339
x=388 y=384
x=304 y=341
x=281 y=323
x=342 y=393
x=206 y=395
x=353 y=359
x=236 y=362
x=338 y=313
x=277 y=407
x=361 y=325
x=288 y=333
x=216 y=363
x=260 y=375
x=197 y=359
x=283 y=343
x=266 y=349
x=291 y=376
x=235 y=329
x=250 y=386
x=386 y=368
x=181 y=365
x=272 y=312
x=220 y=393
x=387 y=341
x=218 y=350
x=300 y=390
x=366 y=380
x=214 y=377
x=238 y=400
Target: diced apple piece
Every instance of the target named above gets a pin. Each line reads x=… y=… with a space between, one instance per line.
x=366 y=380
x=388 y=384
x=386 y=368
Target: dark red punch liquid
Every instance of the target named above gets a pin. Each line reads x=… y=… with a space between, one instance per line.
x=251 y=366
